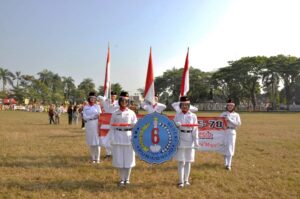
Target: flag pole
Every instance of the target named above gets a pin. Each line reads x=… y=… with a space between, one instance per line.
x=185 y=86
x=107 y=75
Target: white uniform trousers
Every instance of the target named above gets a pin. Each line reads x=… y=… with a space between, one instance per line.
x=230 y=139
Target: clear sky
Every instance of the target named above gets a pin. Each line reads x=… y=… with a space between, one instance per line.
x=70 y=37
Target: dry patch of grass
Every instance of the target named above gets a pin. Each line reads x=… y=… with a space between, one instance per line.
x=38 y=160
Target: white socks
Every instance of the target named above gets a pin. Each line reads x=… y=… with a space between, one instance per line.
x=184 y=169
x=108 y=150
x=125 y=173
x=228 y=160
x=95 y=153
x=187 y=170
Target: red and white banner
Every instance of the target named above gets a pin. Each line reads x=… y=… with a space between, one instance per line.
x=211 y=131
x=185 y=81
x=149 y=91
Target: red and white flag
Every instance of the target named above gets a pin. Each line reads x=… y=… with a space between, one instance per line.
x=107 y=76
x=185 y=81
x=149 y=86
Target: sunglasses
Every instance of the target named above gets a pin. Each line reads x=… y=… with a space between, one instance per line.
x=123 y=100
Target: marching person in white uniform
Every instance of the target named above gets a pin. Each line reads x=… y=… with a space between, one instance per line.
x=121 y=124
x=109 y=106
x=188 y=140
x=91 y=114
x=233 y=121
x=151 y=108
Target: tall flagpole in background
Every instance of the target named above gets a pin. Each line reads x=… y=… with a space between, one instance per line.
x=185 y=81
x=149 y=91
x=107 y=76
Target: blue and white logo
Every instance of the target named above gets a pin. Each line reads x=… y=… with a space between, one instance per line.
x=155 y=138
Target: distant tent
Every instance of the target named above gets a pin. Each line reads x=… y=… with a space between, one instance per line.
x=8 y=101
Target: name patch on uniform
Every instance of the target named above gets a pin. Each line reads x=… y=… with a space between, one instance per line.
x=155 y=138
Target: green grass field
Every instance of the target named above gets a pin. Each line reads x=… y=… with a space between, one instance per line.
x=38 y=160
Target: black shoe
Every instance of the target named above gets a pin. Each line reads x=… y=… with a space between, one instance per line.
x=127 y=182
x=121 y=183
x=107 y=157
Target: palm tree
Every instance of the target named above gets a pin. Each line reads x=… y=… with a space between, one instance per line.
x=46 y=77
x=7 y=77
x=18 y=77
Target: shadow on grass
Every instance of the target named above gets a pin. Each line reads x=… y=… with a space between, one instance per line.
x=48 y=162
x=208 y=166
x=39 y=124
x=63 y=136
x=89 y=185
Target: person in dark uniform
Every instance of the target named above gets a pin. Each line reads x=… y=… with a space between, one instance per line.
x=51 y=114
x=70 y=114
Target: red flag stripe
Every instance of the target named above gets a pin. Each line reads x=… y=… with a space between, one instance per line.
x=185 y=78
x=149 y=80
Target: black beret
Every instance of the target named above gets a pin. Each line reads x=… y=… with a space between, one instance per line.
x=230 y=101
x=92 y=94
x=184 y=99
x=124 y=94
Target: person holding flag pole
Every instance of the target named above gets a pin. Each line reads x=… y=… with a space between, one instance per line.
x=109 y=106
x=151 y=103
x=123 y=155
x=187 y=123
x=185 y=86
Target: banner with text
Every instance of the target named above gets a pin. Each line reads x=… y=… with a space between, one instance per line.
x=211 y=131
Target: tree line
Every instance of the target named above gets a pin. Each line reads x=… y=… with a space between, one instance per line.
x=249 y=80
x=46 y=88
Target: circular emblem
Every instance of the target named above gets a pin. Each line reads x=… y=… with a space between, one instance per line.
x=155 y=138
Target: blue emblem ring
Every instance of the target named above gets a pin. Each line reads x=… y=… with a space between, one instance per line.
x=155 y=138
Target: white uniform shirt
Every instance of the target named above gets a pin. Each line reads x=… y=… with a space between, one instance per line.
x=91 y=115
x=233 y=119
x=122 y=151
x=188 y=136
x=176 y=107
x=109 y=106
x=158 y=107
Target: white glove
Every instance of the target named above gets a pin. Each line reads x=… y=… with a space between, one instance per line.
x=102 y=98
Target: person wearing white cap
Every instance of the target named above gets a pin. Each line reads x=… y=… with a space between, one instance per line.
x=187 y=123
x=156 y=107
x=91 y=114
x=121 y=124
x=233 y=121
